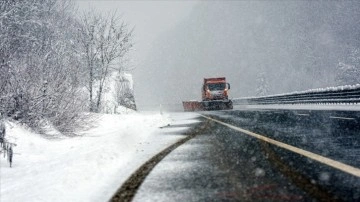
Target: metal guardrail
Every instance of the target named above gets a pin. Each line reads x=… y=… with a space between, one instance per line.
x=335 y=95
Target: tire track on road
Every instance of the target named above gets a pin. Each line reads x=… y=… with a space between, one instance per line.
x=129 y=188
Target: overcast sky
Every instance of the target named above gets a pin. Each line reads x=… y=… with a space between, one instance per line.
x=295 y=45
x=149 y=18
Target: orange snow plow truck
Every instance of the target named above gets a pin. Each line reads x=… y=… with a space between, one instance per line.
x=214 y=96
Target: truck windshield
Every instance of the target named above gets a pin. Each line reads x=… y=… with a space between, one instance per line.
x=216 y=86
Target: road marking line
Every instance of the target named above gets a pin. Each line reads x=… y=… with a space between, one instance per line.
x=338 y=117
x=335 y=164
x=303 y=114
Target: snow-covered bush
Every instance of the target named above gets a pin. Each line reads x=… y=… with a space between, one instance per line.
x=40 y=66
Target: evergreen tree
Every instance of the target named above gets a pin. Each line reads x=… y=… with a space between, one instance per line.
x=262 y=84
x=348 y=70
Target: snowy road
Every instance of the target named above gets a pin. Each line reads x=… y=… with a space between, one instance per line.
x=223 y=164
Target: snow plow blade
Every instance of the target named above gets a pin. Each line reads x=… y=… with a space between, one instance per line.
x=190 y=106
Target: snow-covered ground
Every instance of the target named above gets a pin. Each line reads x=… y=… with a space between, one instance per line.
x=90 y=167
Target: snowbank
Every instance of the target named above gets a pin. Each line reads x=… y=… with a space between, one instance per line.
x=86 y=168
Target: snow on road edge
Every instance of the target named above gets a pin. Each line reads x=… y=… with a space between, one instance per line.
x=86 y=168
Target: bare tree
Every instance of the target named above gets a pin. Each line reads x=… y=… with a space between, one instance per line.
x=105 y=41
x=89 y=31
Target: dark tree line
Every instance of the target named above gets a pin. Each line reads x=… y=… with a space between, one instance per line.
x=53 y=64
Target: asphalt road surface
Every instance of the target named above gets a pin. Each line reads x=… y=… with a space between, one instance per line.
x=317 y=160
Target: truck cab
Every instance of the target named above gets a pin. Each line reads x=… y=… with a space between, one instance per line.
x=214 y=96
x=215 y=89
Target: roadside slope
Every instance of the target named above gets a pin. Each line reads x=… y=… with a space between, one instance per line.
x=90 y=167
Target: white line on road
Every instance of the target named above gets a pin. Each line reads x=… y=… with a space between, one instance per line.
x=335 y=164
x=303 y=114
x=338 y=117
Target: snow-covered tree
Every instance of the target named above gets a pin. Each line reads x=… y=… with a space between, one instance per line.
x=47 y=56
x=124 y=91
x=262 y=84
x=105 y=41
x=39 y=62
